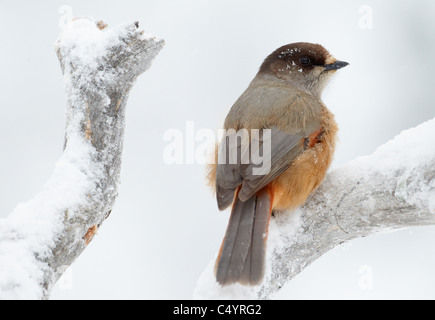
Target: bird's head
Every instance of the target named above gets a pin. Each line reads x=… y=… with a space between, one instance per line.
x=306 y=66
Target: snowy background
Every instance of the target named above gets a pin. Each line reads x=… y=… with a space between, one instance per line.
x=165 y=227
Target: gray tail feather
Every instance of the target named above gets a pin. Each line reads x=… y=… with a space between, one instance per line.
x=242 y=255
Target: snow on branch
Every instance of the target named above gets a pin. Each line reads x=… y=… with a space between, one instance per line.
x=391 y=189
x=42 y=237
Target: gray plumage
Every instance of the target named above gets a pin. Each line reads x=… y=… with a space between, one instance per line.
x=283 y=98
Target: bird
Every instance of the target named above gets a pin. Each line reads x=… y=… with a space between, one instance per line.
x=283 y=101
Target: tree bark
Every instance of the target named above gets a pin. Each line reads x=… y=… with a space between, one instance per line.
x=41 y=238
x=391 y=189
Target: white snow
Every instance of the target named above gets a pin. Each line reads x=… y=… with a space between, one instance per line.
x=408 y=149
x=86 y=42
x=30 y=230
x=404 y=156
x=208 y=289
x=29 y=233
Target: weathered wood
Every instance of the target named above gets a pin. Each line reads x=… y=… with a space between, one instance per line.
x=47 y=234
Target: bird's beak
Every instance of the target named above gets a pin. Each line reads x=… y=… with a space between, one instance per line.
x=335 y=66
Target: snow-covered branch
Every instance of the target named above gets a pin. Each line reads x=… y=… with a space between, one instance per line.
x=391 y=189
x=42 y=237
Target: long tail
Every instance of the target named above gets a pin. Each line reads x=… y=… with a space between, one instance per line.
x=242 y=255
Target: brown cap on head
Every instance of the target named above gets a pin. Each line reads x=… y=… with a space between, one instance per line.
x=304 y=65
x=300 y=54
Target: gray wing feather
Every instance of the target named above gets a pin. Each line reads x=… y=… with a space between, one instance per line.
x=284 y=148
x=228 y=177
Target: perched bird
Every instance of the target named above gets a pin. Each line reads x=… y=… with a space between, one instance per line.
x=285 y=98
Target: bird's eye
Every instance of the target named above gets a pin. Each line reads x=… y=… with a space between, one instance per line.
x=305 y=61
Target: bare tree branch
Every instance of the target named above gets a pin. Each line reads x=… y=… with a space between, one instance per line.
x=391 y=189
x=41 y=238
